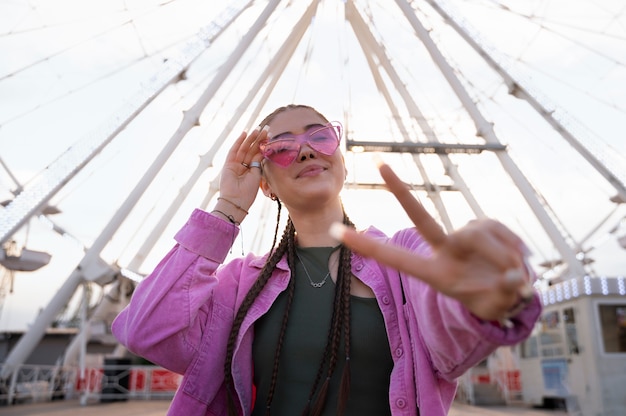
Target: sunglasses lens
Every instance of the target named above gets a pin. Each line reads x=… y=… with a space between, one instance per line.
x=281 y=152
x=324 y=140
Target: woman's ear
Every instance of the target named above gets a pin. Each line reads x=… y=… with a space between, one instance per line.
x=265 y=187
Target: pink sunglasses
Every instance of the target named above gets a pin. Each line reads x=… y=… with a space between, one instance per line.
x=284 y=149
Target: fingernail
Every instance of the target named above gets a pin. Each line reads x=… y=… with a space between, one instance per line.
x=266 y=128
x=514 y=275
x=378 y=160
x=257 y=128
x=337 y=230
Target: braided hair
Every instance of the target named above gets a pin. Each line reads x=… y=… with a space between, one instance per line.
x=340 y=320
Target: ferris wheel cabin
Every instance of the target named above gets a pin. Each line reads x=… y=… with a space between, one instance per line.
x=576 y=356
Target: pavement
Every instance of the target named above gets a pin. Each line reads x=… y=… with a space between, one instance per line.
x=467 y=410
x=74 y=408
x=159 y=408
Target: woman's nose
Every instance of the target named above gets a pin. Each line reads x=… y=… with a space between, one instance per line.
x=306 y=152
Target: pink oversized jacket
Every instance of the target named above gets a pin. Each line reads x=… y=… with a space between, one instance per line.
x=180 y=317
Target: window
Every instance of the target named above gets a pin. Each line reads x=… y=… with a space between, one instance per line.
x=550 y=339
x=613 y=327
x=529 y=348
x=571 y=334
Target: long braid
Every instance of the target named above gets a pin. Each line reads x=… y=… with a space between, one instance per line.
x=283 y=327
x=330 y=354
x=277 y=224
x=344 y=388
x=256 y=288
x=340 y=320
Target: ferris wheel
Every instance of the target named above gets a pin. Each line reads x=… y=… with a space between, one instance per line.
x=119 y=117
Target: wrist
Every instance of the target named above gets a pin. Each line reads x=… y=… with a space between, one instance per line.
x=525 y=298
x=225 y=215
x=232 y=208
x=233 y=202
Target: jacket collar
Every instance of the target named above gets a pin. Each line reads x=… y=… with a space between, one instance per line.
x=259 y=261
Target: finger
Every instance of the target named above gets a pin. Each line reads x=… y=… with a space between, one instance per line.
x=234 y=149
x=388 y=254
x=245 y=146
x=484 y=242
x=509 y=238
x=250 y=150
x=427 y=226
x=504 y=259
x=262 y=136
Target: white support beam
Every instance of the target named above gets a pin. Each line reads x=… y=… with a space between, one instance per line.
x=485 y=130
x=274 y=67
x=36 y=195
x=31 y=338
x=370 y=47
x=369 y=42
x=557 y=118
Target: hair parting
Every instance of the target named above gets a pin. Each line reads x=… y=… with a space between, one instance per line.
x=288 y=107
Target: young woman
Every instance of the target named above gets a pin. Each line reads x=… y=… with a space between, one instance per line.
x=327 y=323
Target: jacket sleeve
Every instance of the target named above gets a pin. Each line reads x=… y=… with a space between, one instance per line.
x=168 y=310
x=455 y=339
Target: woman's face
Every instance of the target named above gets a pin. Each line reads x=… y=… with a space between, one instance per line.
x=313 y=178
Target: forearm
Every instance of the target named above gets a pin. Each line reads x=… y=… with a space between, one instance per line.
x=168 y=309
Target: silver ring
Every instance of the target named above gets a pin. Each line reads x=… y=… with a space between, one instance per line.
x=255 y=165
x=245 y=165
x=514 y=275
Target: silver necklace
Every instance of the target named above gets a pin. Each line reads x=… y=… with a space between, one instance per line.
x=316 y=285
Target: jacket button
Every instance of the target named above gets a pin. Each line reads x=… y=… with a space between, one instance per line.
x=401 y=403
x=359 y=267
x=399 y=352
x=386 y=300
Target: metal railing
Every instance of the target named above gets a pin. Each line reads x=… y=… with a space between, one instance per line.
x=508 y=382
x=40 y=383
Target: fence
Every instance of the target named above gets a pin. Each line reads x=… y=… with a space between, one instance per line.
x=508 y=383
x=111 y=382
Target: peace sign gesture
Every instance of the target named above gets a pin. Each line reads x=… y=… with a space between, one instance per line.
x=482 y=265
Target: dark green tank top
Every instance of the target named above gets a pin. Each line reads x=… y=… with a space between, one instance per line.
x=304 y=342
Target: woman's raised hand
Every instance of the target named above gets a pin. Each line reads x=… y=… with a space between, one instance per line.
x=241 y=175
x=482 y=264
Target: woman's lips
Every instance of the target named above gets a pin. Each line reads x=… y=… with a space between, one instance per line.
x=311 y=170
